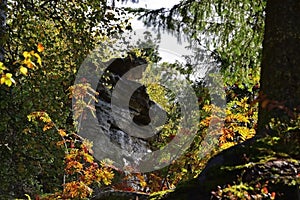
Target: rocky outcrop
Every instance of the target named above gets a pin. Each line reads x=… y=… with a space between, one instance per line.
x=123 y=109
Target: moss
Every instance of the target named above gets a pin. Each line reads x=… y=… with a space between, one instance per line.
x=159 y=195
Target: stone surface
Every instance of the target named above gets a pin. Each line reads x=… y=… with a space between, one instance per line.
x=123 y=109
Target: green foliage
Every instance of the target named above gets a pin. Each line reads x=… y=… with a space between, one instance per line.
x=65 y=32
x=237 y=31
x=244 y=191
x=232 y=31
x=81 y=171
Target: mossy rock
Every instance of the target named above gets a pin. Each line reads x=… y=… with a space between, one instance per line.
x=159 y=195
x=271 y=159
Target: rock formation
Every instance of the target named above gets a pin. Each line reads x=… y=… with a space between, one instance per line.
x=125 y=123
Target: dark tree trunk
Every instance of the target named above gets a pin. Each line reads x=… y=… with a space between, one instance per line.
x=280 y=74
x=3 y=8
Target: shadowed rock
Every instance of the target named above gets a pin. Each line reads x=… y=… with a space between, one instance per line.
x=133 y=140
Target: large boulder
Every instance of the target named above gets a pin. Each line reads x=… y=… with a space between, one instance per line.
x=122 y=75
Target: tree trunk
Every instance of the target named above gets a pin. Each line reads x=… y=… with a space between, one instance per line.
x=280 y=74
x=3 y=7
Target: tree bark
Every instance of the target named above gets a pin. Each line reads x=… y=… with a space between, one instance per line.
x=280 y=71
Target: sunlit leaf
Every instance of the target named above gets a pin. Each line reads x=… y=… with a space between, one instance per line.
x=39 y=60
x=23 y=70
x=2 y=67
x=62 y=132
x=26 y=54
x=88 y=158
x=40 y=47
x=7 y=79
x=48 y=126
x=29 y=63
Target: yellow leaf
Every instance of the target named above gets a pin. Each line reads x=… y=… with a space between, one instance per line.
x=60 y=143
x=39 y=60
x=23 y=70
x=143 y=184
x=227 y=145
x=26 y=54
x=207 y=108
x=8 y=82
x=40 y=47
x=2 y=67
x=28 y=197
x=2 y=80
x=8 y=75
x=29 y=64
x=88 y=158
x=241 y=118
x=7 y=79
x=47 y=127
x=62 y=132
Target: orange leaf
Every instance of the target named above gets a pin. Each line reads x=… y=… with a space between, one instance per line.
x=40 y=47
x=59 y=143
x=264 y=190
x=273 y=194
x=47 y=126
